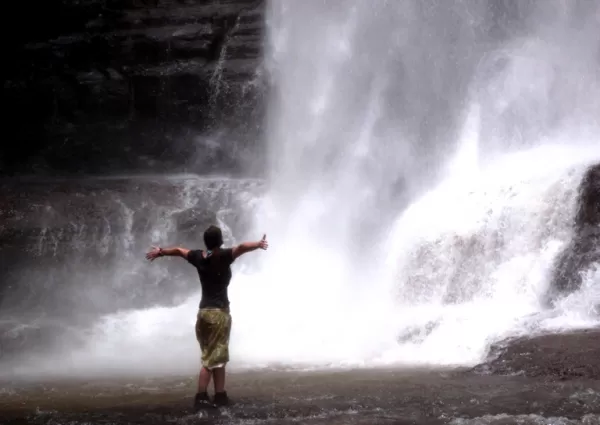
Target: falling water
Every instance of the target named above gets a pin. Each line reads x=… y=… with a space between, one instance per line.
x=424 y=177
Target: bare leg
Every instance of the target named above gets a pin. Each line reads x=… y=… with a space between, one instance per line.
x=204 y=379
x=219 y=373
x=201 y=400
x=221 y=398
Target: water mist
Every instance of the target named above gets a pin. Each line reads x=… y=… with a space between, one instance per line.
x=423 y=172
x=424 y=177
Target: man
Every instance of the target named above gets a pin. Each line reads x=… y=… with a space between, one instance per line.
x=213 y=323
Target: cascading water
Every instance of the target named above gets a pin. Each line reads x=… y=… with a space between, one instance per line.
x=418 y=104
x=425 y=160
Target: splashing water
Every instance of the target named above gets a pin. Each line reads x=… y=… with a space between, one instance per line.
x=488 y=168
x=467 y=264
x=473 y=258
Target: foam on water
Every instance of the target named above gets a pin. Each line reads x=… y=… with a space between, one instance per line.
x=504 y=419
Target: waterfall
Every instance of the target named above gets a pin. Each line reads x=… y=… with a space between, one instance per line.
x=424 y=165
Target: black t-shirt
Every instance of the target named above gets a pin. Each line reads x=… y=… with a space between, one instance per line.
x=215 y=275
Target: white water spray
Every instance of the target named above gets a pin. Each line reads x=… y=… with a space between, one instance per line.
x=469 y=261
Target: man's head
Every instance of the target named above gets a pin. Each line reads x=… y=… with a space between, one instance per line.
x=213 y=238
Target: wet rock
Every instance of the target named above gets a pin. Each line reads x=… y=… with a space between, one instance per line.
x=191 y=224
x=131 y=85
x=562 y=356
x=77 y=245
x=18 y=337
x=584 y=250
x=195 y=220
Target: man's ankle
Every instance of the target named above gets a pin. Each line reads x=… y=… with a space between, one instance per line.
x=221 y=398
x=202 y=401
x=202 y=398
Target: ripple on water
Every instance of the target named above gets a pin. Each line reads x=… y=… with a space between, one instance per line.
x=7 y=392
x=527 y=420
x=588 y=397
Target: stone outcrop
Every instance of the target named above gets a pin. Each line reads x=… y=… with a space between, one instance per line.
x=563 y=356
x=73 y=249
x=134 y=85
x=583 y=252
x=78 y=245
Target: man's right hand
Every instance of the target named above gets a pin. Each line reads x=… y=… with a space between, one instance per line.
x=263 y=244
x=245 y=247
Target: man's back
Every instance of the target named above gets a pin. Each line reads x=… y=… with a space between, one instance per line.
x=214 y=270
x=213 y=321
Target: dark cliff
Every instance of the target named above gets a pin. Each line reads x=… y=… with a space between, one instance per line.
x=139 y=85
x=583 y=252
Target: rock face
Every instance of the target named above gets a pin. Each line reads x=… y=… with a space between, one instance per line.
x=73 y=249
x=106 y=86
x=565 y=356
x=78 y=245
x=584 y=250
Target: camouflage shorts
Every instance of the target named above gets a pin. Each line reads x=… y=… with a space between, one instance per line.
x=213 y=327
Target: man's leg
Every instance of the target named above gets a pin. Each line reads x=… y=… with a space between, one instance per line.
x=221 y=398
x=201 y=400
x=204 y=380
x=219 y=379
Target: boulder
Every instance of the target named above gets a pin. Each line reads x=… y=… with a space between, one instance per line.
x=561 y=356
x=584 y=249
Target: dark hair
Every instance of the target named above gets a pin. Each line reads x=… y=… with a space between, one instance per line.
x=213 y=237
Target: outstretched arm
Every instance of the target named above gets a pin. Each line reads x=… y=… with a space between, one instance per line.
x=245 y=247
x=161 y=252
